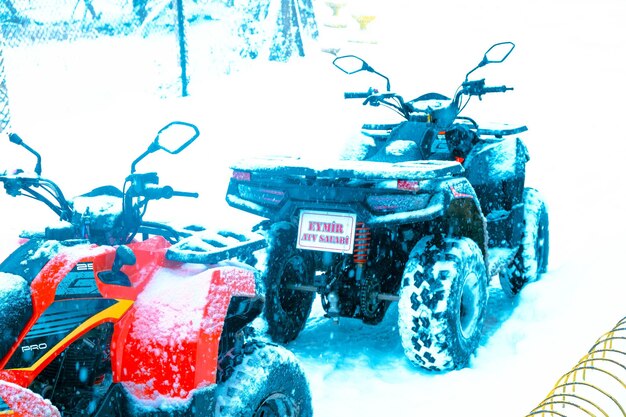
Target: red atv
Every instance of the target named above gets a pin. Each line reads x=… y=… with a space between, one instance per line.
x=105 y=314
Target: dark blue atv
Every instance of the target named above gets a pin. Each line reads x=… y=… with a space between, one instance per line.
x=428 y=212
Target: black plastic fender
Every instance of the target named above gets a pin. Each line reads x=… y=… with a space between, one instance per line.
x=463 y=213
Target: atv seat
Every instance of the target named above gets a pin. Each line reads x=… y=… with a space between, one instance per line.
x=499 y=130
x=378 y=132
x=409 y=141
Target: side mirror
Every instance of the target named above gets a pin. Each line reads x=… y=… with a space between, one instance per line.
x=351 y=64
x=172 y=138
x=496 y=54
x=123 y=256
x=176 y=136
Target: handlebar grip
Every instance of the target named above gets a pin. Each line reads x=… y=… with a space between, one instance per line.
x=497 y=89
x=356 y=95
x=156 y=193
x=185 y=194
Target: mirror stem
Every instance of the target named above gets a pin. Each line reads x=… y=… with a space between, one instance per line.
x=153 y=147
x=386 y=79
x=14 y=137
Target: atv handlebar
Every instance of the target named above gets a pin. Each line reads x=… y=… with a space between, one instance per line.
x=155 y=193
x=396 y=102
x=185 y=194
x=445 y=111
x=42 y=189
x=358 y=94
x=109 y=224
x=355 y=95
x=478 y=88
x=497 y=89
x=138 y=191
x=146 y=185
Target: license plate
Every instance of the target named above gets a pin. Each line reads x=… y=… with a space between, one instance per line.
x=326 y=231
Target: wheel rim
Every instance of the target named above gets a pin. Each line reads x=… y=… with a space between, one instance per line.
x=276 y=405
x=469 y=308
x=293 y=273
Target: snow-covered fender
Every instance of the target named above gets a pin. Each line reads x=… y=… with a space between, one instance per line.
x=463 y=211
x=496 y=168
x=17 y=401
x=167 y=344
x=496 y=159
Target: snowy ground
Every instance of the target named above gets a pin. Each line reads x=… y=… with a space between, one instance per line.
x=91 y=107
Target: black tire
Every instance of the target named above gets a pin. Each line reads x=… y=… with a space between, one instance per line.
x=442 y=303
x=286 y=310
x=531 y=260
x=267 y=382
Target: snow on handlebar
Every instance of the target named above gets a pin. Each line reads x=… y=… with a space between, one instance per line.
x=359 y=94
x=356 y=95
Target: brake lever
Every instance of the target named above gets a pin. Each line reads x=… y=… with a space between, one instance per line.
x=373 y=100
x=14 y=182
x=12 y=189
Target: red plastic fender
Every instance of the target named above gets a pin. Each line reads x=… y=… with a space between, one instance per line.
x=167 y=344
x=44 y=286
x=18 y=401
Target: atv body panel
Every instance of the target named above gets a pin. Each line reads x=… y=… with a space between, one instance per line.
x=396 y=199
x=497 y=169
x=278 y=188
x=157 y=335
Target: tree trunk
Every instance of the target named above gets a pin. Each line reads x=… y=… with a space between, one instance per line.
x=286 y=21
x=139 y=9
x=90 y=8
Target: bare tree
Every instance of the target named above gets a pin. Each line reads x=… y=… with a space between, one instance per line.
x=276 y=28
x=13 y=12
